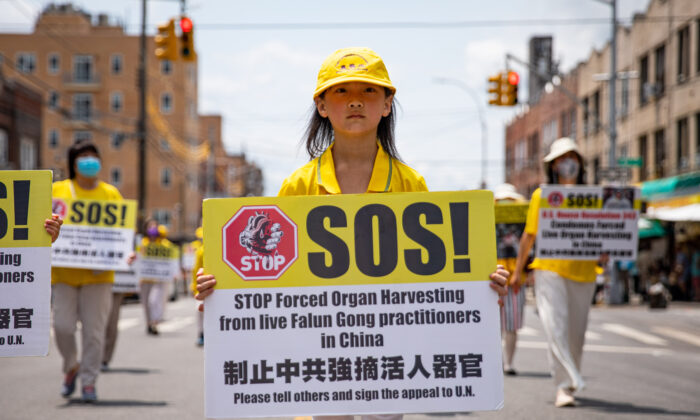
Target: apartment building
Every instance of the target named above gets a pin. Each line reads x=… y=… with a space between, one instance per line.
x=86 y=69
x=657 y=101
x=20 y=125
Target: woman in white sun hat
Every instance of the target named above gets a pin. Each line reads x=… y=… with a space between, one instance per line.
x=563 y=288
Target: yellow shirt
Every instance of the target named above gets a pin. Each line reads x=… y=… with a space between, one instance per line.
x=576 y=270
x=79 y=276
x=318 y=177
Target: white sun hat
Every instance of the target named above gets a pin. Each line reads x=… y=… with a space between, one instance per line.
x=505 y=192
x=561 y=147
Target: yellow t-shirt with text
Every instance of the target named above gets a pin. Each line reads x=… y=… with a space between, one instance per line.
x=77 y=277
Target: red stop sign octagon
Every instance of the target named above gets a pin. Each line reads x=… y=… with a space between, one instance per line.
x=260 y=242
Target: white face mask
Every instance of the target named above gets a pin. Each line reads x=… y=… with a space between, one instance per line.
x=568 y=168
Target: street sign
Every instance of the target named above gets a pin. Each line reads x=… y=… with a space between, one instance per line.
x=617 y=173
x=630 y=161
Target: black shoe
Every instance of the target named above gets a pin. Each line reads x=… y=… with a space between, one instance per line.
x=152 y=330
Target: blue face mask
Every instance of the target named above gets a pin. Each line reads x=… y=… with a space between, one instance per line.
x=88 y=166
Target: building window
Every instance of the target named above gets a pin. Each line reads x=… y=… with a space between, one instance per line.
x=659 y=153
x=624 y=97
x=643 y=154
x=682 y=145
x=53 y=99
x=166 y=67
x=596 y=111
x=82 y=68
x=82 y=106
x=550 y=131
x=82 y=136
x=53 y=138
x=115 y=176
x=54 y=63
x=683 y=54
x=660 y=70
x=27 y=154
x=162 y=217
x=191 y=109
x=164 y=145
x=117 y=64
x=26 y=62
x=4 y=149
x=533 y=150
x=166 y=103
x=644 y=80
x=166 y=178
x=116 y=102
x=520 y=154
x=572 y=119
x=116 y=140
x=623 y=151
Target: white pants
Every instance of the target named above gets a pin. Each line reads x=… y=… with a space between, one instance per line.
x=153 y=298
x=91 y=305
x=563 y=306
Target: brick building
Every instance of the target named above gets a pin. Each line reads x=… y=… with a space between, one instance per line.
x=20 y=125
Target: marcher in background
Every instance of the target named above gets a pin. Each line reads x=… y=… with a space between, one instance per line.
x=153 y=291
x=80 y=294
x=563 y=288
x=512 y=311
x=350 y=141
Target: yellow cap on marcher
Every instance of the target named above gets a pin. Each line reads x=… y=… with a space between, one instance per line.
x=353 y=64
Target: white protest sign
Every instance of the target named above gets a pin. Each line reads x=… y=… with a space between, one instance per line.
x=25 y=263
x=159 y=262
x=96 y=234
x=358 y=304
x=583 y=222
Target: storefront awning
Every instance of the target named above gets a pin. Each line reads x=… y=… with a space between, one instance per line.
x=650 y=228
x=687 y=213
x=673 y=186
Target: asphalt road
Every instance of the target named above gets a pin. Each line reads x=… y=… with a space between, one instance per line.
x=637 y=364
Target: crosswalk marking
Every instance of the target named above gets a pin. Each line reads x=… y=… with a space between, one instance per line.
x=653 y=351
x=678 y=335
x=126 y=323
x=175 y=324
x=592 y=335
x=635 y=334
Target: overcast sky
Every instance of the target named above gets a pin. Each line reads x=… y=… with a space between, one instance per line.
x=261 y=78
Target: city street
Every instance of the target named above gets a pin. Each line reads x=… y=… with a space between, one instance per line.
x=637 y=363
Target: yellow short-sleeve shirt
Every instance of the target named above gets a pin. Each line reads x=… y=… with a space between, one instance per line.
x=576 y=270
x=79 y=276
x=318 y=177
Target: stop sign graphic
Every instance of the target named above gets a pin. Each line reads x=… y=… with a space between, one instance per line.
x=260 y=242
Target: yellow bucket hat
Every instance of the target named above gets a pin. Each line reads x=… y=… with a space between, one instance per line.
x=353 y=64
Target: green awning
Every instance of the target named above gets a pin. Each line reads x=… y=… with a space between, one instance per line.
x=670 y=186
x=649 y=228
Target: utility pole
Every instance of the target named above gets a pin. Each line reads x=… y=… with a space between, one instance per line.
x=613 y=78
x=141 y=129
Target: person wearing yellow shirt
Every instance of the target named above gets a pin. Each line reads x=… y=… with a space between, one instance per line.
x=563 y=288
x=81 y=294
x=153 y=291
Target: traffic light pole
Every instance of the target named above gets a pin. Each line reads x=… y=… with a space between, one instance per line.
x=141 y=129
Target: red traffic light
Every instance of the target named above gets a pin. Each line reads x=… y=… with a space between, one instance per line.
x=186 y=24
x=513 y=78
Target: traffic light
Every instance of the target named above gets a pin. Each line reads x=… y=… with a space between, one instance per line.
x=511 y=89
x=166 y=41
x=496 y=88
x=187 y=39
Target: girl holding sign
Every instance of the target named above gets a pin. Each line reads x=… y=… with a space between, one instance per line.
x=350 y=141
x=563 y=288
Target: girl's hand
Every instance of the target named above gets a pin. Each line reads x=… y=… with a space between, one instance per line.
x=515 y=281
x=205 y=287
x=53 y=226
x=499 y=278
x=131 y=258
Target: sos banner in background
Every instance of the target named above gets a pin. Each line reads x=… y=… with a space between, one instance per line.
x=159 y=262
x=96 y=234
x=25 y=263
x=583 y=222
x=351 y=304
x=510 y=224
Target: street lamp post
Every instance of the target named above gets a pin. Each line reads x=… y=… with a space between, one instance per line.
x=484 y=133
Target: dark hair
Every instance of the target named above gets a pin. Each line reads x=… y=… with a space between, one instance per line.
x=553 y=176
x=77 y=148
x=319 y=132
